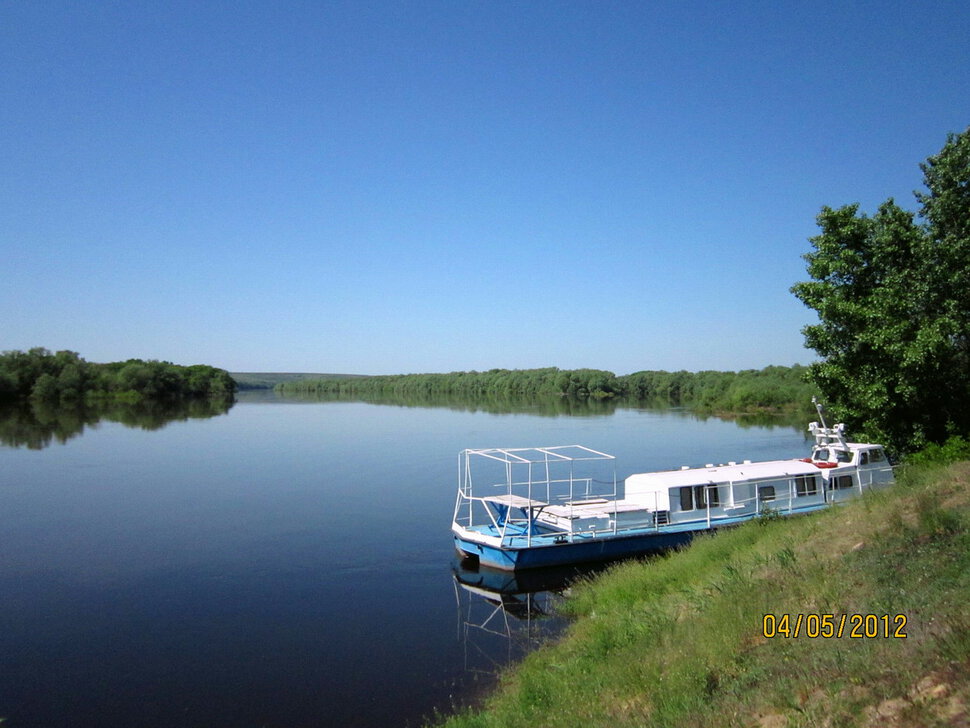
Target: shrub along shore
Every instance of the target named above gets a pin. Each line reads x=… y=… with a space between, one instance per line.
x=682 y=639
x=66 y=378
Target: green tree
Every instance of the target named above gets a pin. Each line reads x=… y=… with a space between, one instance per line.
x=893 y=301
x=45 y=389
x=946 y=209
x=70 y=382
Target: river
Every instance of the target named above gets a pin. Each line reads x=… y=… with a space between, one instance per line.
x=282 y=563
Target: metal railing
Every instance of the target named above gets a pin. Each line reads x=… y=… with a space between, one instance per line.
x=575 y=490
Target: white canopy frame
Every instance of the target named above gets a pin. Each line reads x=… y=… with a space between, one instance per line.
x=539 y=466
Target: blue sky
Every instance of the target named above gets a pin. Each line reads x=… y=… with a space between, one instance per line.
x=381 y=187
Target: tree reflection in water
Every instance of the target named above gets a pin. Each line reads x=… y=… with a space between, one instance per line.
x=548 y=406
x=36 y=425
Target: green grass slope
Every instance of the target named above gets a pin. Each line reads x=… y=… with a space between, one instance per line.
x=679 y=640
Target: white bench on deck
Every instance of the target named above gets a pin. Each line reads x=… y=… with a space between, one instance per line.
x=599 y=508
x=514 y=501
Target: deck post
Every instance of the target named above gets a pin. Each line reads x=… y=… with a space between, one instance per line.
x=470 y=485
x=571 y=497
x=528 y=513
x=548 y=481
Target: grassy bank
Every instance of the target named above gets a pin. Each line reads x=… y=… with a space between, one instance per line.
x=679 y=641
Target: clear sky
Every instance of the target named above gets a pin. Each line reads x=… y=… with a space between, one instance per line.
x=382 y=187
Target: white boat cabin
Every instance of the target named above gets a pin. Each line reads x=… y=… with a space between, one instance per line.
x=715 y=494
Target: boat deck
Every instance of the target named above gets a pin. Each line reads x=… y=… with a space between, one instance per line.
x=599 y=508
x=516 y=536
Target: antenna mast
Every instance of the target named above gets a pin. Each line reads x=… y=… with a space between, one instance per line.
x=825 y=435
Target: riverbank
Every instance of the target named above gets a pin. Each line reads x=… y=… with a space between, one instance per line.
x=65 y=378
x=773 y=389
x=683 y=640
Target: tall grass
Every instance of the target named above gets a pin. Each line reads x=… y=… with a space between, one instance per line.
x=678 y=640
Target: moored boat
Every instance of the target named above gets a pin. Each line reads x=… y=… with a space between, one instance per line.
x=524 y=508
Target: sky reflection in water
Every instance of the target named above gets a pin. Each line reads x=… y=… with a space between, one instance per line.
x=286 y=564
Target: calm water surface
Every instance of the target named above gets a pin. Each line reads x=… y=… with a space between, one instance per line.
x=285 y=564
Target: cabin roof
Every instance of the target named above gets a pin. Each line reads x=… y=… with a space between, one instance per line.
x=769 y=470
x=557 y=453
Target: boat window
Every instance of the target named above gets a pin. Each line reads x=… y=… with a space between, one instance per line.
x=686 y=498
x=714 y=496
x=766 y=492
x=841 y=482
x=864 y=458
x=821 y=454
x=699 y=500
x=697 y=497
x=877 y=456
x=842 y=456
x=806 y=484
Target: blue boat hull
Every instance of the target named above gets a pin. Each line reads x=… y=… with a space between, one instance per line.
x=546 y=551
x=577 y=552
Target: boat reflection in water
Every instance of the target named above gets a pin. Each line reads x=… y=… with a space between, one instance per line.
x=504 y=615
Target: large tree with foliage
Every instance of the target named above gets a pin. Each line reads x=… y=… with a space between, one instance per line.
x=893 y=299
x=67 y=378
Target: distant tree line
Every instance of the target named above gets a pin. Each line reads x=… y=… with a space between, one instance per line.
x=269 y=380
x=64 y=377
x=774 y=388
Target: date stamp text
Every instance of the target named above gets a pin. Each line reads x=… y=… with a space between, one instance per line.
x=828 y=626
